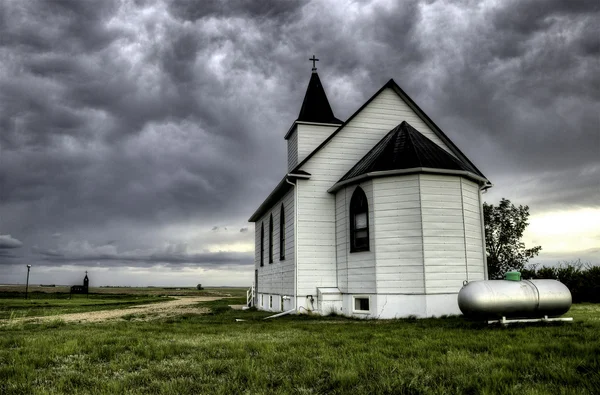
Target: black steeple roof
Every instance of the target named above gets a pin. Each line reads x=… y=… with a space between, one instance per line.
x=405 y=148
x=315 y=107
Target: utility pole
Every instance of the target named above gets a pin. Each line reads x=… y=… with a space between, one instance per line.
x=27 y=286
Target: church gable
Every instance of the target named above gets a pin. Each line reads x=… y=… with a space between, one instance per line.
x=368 y=125
x=353 y=140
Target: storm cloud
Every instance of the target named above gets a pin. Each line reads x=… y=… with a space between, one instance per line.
x=127 y=127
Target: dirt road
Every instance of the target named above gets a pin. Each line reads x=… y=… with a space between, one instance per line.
x=179 y=306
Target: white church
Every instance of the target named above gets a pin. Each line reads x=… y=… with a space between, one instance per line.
x=377 y=216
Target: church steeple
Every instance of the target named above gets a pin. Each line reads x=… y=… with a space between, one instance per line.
x=314 y=123
x=315 y=107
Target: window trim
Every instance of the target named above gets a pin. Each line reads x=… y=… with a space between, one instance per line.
x=262 y=244
x=358 y=194
x=282 y=233
x=354 y=310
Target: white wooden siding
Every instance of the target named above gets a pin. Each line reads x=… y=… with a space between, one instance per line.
x=293 y=150
x=278 y=277
x=427 y=232
x=452 y=240
x=474 y=243
x=443 y=249
x=398 y=232
x=316 y=239
x=342 y=230
x=310 y=137
x=317 y=208
x=355 y=271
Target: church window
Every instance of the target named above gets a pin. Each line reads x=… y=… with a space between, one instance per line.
x=281 y=233
x=271 y=239
x=262 y=244
x=359 y=221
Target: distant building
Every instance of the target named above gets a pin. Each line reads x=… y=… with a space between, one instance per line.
x=377 y=216
x=81 y=289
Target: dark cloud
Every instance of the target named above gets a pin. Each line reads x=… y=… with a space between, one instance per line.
x=147 y=121
x=8 y=245
x=108 y=257
x=7 y=241
x=276 y=12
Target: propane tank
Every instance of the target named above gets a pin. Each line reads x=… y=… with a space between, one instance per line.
x=514 y=298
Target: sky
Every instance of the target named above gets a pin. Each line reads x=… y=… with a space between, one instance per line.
x=137 y=137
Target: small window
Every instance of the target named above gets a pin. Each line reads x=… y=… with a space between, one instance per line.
x=270 y=301
x=262 y=244
x=271 y=239
x=281 y=303
x=359 y=221
x=281 y=233
x=361 y=304
x=262 y=300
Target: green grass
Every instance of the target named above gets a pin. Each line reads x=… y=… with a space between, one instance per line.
x=300 y=354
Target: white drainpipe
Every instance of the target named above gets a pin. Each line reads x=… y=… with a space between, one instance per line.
x=295 y=249
x=280 y=314
x=483 y=190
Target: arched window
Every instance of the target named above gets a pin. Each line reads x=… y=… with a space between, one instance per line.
x=271 y=239
x=359 y=221
x=281 y=233
x=262 y=244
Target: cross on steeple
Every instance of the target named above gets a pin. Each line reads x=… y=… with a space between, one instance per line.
x=314 y=68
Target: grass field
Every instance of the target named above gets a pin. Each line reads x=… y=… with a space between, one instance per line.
x=301 y=354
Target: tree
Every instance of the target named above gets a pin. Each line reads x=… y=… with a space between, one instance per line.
x=199 y=287
x=504 y=227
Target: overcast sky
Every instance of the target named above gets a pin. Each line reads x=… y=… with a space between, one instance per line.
x=137 y=137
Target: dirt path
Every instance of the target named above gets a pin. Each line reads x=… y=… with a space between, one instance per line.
x=181 y=305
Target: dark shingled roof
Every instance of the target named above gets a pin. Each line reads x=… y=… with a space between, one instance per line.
x=405 y=148
x=315 y=107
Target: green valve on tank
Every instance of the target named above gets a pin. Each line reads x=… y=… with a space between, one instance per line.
x=512 y=276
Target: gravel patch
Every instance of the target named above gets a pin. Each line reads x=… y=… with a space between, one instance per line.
x=181 y=305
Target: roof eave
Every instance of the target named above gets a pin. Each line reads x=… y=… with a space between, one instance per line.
x=482 y=181
x=279 y=190
x=296 y=122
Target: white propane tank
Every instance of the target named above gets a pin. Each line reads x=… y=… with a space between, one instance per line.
x=524 y=298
